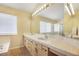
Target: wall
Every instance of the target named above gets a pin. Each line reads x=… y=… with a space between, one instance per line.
x=70 y=22
x=23 y=24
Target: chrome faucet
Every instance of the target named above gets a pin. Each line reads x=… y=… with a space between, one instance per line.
x=46 y=36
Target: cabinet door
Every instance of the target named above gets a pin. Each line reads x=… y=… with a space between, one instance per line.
x=25 y=42
x=34 y=49
x=42 y=50
x=39 y=50
x=29 y=46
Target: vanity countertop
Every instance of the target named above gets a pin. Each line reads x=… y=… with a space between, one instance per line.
x=64 y=45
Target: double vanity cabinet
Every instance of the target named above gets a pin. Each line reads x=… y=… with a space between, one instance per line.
x=35 y=48
x=53 y=46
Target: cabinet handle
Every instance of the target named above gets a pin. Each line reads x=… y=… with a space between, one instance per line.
x=45 y=50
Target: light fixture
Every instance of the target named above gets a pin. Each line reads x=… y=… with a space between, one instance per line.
x=68 y=10
x=43 y=7
x=72 y=10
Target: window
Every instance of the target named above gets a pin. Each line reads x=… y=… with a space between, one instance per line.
x=8 y=24
x=48 y=27
x=58 y=28
x=45 y=27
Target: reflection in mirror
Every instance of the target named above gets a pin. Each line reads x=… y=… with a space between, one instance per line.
x=48 y=19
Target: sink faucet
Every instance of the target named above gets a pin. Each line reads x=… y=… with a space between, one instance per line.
x=45 y=35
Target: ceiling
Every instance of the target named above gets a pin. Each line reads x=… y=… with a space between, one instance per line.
x=29 y=7
x=75 y=6
x=55 y=11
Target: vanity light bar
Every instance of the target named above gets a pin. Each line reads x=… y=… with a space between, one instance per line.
x=72 y=10
x=40 y=9
x=68 y=10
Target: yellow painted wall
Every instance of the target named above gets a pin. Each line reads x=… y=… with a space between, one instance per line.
x=23 y=23
x=35 y=24
x=70 y=22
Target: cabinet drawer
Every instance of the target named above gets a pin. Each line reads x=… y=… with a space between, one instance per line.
x=34 y=49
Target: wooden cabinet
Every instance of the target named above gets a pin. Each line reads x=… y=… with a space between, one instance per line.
x=30 y=45
x=34 y=48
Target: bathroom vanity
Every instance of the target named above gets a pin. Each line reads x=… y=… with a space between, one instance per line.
x=53 y=45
